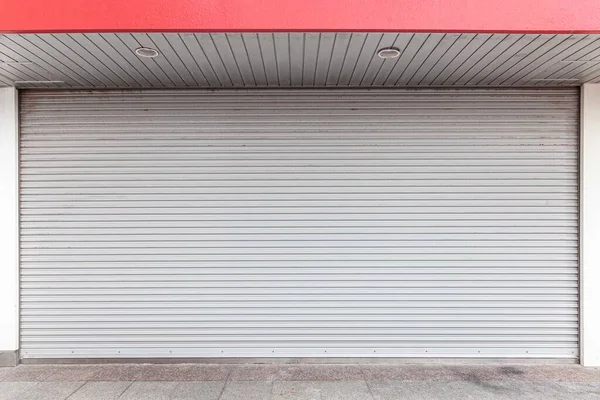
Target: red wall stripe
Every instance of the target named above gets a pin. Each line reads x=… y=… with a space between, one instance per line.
x=542 y=16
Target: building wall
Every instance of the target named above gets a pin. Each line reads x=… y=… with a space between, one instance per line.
x=590 y=225
x=9 y=212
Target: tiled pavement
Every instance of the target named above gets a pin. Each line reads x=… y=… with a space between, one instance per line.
x=298 y=382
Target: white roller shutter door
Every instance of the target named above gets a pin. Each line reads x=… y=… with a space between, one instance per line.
x=413 y=223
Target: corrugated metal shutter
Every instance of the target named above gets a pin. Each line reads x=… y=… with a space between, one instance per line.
x=299 y=223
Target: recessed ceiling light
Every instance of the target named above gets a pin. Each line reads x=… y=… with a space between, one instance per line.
x=146 y=52
x=389 y=52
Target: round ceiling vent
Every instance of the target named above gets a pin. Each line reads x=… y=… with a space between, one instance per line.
x=390 y=52
x=146 y=52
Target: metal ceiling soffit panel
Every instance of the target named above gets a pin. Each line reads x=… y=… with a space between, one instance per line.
x=240 y=60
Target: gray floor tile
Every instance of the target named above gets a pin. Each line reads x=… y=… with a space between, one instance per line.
x=316 y=372
x=512 y=389
x=296 y=390
x=570 y=373
x=582 y=390
x=148 y=390
x=302 y=390
x=100 y=391
x=209 y=390
x=118 y=372
x=247 y=391
x=10 y=390
x=266 y=372
x=520 y=373
x=183 y=372
x=72 y=373
x=429 y=390
x=355 y=390
x=209 y=372
x=164 y=372
x=477 y=373
x=26 y=373
x=407 y=372
x=50 y=391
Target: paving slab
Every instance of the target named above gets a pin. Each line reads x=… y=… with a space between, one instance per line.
x=570 y=373
x=317 y=372
x=478 y=373
x=511 y=389
x=149 y=390
x=297 y=390
x=210 y=390
x=407 y=372
x=185 y=372
x=10 y=390
x=247 y=391
x=210 y=372
x=582 y=390
x=100 y=391
x=431 y=390
x=50 y=391
x=118 y=372
x=72 y=373
x=262 y=372
x=338 y=390
x=25 y=373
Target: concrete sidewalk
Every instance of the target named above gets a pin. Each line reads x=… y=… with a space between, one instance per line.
x=298 y=382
